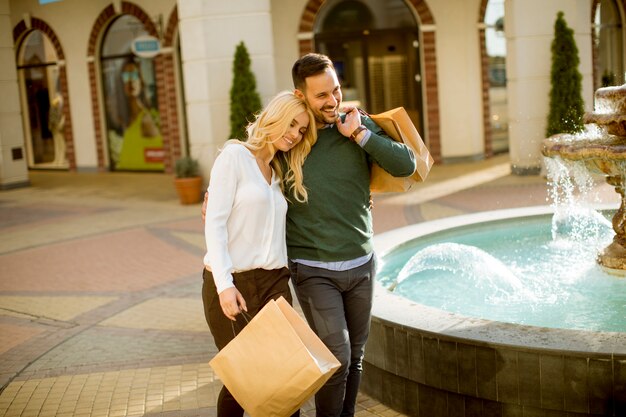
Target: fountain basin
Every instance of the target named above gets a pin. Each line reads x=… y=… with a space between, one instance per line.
x=424 y=361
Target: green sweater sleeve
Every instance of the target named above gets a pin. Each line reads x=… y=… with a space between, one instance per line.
x=394 y=157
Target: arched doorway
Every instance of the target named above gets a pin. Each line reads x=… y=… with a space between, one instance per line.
x=608 y=44
x=375 y=47
x=129 y=87
x=43 y=103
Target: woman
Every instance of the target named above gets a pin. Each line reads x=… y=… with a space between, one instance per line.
x=246 y=259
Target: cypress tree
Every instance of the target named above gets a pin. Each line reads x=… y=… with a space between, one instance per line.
x=245 y=102
x=566 y=103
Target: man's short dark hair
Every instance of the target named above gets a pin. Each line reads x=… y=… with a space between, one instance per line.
x=307 y=66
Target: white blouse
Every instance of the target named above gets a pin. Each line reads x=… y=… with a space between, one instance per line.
x=245 y=218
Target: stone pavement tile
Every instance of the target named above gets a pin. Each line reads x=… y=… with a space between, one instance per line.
x=524 y=193
x=387 y=217
x=128 y=260
x=13 y=334
x=183 y=314
x=432 y=211
x=17 y=359
x=367 y=407
x=193 y=239
x=62 y=308
x=128 y=392
x=57 y=349
x=37 y=214
x=127 y=186
x=102 y=348
x=112 y=215
x=193 y=224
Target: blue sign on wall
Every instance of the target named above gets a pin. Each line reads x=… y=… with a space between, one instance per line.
x=146 y=46
x=47 y=1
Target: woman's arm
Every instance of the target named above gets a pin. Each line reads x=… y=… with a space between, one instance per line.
x=221 y=196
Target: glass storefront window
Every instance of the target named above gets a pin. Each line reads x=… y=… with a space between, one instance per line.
x=496 y=55
x=130 y=96
x=42 y=101
x=609 y=44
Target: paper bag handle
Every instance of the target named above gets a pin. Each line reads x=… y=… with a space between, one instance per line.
x=246 y=316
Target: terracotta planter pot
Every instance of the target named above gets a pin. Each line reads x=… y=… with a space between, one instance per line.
x=189 y=189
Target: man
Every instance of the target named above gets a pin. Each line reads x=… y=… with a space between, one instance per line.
x=329 y=238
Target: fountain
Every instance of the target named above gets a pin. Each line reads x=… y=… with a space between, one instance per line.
x=426 y=360
x=602 y=150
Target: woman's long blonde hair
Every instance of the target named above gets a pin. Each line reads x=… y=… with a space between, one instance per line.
x=270 y=125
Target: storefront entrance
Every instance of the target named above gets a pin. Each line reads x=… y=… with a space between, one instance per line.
x=376 y=55
x=42 y=102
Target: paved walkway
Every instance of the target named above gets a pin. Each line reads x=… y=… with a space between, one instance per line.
x=100 y=279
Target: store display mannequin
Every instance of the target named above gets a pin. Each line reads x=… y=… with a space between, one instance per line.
x=56 y=124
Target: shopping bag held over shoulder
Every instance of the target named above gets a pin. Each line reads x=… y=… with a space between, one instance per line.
x=275 y=364
x=398 y=125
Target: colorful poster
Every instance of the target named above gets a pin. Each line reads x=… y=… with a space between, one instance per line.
x=133 y=124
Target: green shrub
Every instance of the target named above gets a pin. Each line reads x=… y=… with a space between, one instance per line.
x=245 y=102
x=187 y=167
x=566 y=103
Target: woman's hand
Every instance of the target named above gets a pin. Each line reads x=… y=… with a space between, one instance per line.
x=232 y=302
x=204 y=203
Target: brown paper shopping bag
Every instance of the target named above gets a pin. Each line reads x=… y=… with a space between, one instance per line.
x=275 y=364
x=398 y=125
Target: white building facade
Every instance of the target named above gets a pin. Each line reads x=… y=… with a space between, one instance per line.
x=133 y=85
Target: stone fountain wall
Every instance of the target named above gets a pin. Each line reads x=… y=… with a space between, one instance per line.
x=447 y=365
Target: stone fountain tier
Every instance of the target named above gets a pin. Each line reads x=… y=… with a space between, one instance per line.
x=604 y=152
x=610 y=100
x=615 y=124
x=609 y=110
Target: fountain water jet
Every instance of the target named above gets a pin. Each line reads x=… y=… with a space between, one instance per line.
x=602 y=149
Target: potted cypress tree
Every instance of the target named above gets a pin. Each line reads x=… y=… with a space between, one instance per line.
x=566 y=102
x=188 y=180
x=244 y=99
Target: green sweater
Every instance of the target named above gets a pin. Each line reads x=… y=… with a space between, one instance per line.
x=336 y=222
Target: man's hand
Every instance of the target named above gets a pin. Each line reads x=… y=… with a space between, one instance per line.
x=232 y=302
x=206 y=197
x=351 y=122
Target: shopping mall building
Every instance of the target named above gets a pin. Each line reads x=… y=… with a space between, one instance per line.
x=108 y=85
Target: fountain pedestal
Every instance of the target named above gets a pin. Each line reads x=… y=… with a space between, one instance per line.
x=613 y=257
x=603 y=151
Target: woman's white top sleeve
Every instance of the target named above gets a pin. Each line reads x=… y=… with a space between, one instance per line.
x=245 y=218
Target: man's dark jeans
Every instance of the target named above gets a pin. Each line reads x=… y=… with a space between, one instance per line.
x=338 y=307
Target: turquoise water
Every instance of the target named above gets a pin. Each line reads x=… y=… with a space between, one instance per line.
x=536 y=270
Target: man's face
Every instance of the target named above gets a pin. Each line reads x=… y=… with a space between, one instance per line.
x=322 y=94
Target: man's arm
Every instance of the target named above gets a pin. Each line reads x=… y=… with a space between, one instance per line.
x=394 y=157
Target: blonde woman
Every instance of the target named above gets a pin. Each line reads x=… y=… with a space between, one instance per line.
x=246 y=259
